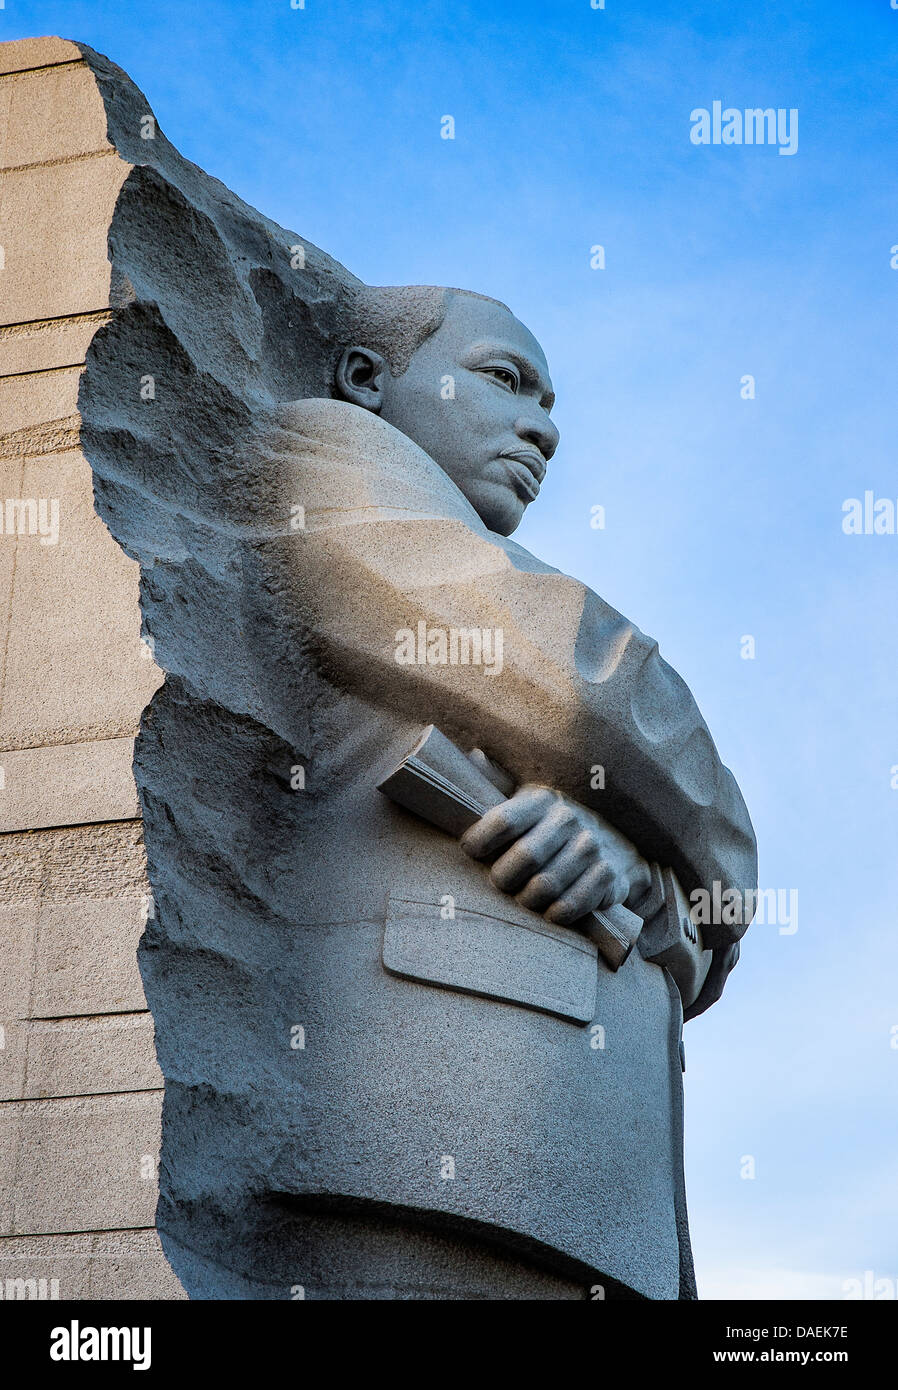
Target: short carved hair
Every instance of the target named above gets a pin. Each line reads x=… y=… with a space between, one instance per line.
x=395 y=320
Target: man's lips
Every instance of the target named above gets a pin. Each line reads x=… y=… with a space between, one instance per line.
x=530 y=471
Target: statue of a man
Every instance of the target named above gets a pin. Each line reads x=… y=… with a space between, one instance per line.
x=472 y=1103
x=492 y=433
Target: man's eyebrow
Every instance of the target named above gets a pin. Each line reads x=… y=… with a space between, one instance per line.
x=529 y=372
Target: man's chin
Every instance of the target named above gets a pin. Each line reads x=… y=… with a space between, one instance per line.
x=500 y=509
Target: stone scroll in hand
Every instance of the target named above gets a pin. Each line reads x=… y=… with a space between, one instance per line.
x=439 y=783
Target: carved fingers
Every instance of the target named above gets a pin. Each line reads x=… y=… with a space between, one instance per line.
x=563 y=869
x=508 y=822
x=601 y=885
x=553 y=855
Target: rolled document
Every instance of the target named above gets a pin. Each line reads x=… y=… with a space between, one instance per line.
x=439 y=783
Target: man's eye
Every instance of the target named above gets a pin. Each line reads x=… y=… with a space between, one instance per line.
x=506 y=377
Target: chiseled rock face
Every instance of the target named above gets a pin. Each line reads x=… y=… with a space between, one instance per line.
x=331 y=1129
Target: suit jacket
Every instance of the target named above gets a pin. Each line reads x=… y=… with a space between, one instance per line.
x=451 y=1070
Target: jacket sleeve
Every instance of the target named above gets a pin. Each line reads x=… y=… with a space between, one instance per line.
x=571 y=687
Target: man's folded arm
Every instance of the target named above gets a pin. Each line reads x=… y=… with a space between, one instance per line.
x=550 y=680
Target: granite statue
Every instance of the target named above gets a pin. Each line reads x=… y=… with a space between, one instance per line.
x=399 y=1062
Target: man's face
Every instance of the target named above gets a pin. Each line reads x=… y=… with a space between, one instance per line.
x=494 y=436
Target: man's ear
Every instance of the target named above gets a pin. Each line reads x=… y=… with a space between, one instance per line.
x=361 y=377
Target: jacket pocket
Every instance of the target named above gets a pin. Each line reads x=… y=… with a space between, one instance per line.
x=537 y=965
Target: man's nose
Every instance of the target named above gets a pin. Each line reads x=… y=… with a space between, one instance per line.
x=535 y=427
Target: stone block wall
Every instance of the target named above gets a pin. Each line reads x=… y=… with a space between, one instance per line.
x=80 y=1090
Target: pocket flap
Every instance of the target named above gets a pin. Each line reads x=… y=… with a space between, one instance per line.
x=540 y=965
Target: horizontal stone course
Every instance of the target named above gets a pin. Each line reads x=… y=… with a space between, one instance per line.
x=78 y=1164
x=95 y=1055
x=70 y=959
x=50 y=116
x=47 y=343
x=73 y=668
x=68 y=784
x=95 y=1265
x=44 y=51
x=49 y=269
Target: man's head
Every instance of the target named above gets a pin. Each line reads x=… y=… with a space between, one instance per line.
x=459 y=375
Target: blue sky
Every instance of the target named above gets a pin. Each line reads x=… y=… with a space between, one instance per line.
x=723 y=515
